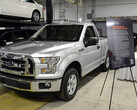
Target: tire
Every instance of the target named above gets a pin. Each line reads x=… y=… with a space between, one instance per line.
x=105 y=66
x=35 y=16
x=69 y=85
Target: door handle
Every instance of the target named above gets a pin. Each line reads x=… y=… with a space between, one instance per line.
x=98 y=47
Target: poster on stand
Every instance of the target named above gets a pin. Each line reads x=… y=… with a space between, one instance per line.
x=120 y=43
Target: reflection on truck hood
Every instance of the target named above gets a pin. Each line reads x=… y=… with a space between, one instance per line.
x=38 y=47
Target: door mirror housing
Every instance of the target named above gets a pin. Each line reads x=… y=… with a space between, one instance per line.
x=91 y=41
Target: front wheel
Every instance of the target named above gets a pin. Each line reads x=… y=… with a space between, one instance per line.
x=69 y=85
x=35 y=16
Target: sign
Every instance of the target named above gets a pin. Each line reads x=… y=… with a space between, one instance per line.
x=120 y=43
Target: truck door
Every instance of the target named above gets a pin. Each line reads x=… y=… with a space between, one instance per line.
x=91 y=54
x=10 y=7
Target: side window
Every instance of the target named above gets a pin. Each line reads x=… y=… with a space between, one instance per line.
x=7 y=37
x=89 y=33
x=30 y=1
x=90 y=37
x=19 y=35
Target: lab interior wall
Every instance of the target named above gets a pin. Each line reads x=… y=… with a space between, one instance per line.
x=95 y=8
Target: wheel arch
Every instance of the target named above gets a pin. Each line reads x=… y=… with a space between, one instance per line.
x=61 y=94
x=77 y=66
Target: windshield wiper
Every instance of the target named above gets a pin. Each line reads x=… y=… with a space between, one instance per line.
x=35 y=39
x=32 y=39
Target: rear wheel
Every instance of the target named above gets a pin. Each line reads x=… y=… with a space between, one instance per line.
x=69 y=85
x=105 y=66
x=35 y=16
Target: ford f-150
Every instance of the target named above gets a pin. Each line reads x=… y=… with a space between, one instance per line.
x=54 y=59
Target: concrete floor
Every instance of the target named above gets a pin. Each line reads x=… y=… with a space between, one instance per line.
x=87 y=97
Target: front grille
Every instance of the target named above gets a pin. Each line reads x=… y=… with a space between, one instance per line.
x=16 y=64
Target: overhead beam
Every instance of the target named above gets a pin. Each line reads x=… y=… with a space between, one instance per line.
x=16 y=23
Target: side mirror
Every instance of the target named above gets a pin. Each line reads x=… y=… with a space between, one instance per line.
x=91 y=41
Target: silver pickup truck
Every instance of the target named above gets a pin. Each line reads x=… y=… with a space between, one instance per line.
x=54 y=59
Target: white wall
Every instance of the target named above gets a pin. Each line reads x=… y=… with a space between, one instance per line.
x=71 y=10
x=107 y=8
x=114 y=8
x=103 y=8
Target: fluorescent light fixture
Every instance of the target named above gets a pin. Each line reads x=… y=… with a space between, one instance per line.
x=2 y=28
x=110 y=23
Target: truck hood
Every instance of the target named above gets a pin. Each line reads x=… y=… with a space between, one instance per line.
x=37 y=47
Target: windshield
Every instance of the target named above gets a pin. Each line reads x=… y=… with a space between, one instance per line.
x=60 y=33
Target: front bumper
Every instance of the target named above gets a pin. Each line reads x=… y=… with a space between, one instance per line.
x=29 y=83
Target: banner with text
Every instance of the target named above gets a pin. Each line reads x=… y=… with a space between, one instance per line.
x=120 y=43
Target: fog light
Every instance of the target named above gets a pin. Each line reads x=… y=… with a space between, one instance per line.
x=44 y=85
x=43 y=71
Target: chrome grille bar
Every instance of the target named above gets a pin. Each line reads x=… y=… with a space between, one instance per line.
x=15 y=64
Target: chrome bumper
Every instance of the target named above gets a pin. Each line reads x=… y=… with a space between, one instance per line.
x=31 y=85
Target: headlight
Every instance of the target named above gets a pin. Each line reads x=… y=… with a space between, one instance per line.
x=50 y=63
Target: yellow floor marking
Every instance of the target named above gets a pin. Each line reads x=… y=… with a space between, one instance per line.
x=3 y=90
x=13 y=101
